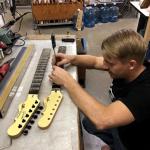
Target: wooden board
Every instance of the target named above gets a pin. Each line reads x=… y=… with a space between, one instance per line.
x=12 y=76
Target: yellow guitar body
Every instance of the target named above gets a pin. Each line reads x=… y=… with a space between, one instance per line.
x=51 y=104
x=26 y=110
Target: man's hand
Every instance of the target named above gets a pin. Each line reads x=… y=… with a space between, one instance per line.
x=61 y=59
x=60 y=76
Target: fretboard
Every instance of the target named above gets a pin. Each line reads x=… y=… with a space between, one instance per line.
x=40 y=71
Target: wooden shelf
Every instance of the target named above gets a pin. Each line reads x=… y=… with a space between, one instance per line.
x=55 y=13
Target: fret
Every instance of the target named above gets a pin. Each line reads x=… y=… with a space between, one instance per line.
x=39 y=74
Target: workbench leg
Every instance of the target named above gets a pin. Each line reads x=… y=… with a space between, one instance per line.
x=81 y=50
x=142 y=23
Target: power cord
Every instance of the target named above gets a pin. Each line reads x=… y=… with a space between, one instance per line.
x=20 y=24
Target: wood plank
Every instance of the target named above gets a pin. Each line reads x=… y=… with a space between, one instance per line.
x=12 y=76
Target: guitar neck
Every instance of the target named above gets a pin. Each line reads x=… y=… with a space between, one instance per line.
x=31 y=104
x=52 y=102
x=39 y=74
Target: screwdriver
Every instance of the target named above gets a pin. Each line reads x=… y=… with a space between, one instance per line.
x=53 y=41
x=53 y=47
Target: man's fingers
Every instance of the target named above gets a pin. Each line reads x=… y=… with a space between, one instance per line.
x=53 y=61
x=53 y=67
x=61 y=63
x=50 y=76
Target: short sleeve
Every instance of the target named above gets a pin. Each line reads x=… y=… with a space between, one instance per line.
x=138 y=102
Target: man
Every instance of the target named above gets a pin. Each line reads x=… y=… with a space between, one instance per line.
x=123 y=57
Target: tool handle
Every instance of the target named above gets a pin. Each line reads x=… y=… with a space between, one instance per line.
x=53 y=41
x=4 y=69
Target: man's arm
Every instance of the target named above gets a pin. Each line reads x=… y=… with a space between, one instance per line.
x=103 y=116
x=87 y=61
x=112 y=115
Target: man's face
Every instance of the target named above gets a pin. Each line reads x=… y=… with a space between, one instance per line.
x=117 y=68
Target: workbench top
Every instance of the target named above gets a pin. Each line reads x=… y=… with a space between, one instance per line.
x=63 y=133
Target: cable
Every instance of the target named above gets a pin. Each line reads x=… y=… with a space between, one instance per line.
x=12 y=22
x=18 y=12
x=21 y=21
x=19 y=25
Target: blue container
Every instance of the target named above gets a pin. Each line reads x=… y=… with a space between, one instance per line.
x=114 y=12
x=89 y=17
x=105 y=15
x=100 y=13
x=97 y=14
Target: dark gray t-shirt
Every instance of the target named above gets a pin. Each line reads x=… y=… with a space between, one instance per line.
x=136 y=96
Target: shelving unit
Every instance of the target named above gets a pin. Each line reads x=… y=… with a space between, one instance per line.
x=46 y=14
x=23 y=2
x=144 y=20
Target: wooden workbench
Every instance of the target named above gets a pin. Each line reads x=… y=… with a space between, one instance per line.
x=64 y=132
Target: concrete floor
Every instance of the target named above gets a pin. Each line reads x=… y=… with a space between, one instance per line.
x=97 y=82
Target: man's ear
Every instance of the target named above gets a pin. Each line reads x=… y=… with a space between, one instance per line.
x=132 y=64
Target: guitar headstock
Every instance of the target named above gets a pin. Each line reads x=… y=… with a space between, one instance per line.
x=25 y=113
x=51 y=104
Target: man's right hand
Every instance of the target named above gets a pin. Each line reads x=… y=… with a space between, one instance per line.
x=62 y=59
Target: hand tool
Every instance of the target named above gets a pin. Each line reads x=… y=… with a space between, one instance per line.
x=53 y=47
x=4 y=68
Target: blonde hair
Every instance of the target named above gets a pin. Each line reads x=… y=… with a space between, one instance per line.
x=125 y=45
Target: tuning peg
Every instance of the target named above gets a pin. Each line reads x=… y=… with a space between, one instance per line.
x=19 y=126
x=23 y=120
x=29 y=127
x=35 y=116
x=27 y=115
x=30 y=110
x=38 y=112
x=32 y=121
x=40 y=107
x=33 y=106
x=25 y=132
